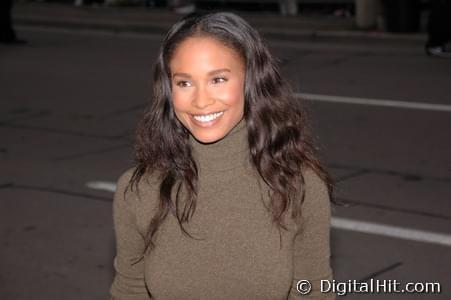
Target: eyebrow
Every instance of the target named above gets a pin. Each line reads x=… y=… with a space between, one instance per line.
x=214 y=72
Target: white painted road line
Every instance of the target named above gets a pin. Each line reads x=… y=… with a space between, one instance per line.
x=375 y=102
x=346 y=224
x=102 y=185
x=392 y=231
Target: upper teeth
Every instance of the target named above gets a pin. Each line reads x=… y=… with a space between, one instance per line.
x=208 y=118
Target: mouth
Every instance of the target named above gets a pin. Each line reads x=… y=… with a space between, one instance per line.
x=207 y=120
x=208 y=117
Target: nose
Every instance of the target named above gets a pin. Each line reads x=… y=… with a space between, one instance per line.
x=202 y=98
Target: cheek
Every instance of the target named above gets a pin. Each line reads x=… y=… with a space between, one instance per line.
x=180 y=101
x=233 y=95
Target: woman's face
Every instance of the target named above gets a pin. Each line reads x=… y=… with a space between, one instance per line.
x=207 y=80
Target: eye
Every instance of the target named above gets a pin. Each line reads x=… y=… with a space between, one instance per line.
x=183 y=83
x=219 y=80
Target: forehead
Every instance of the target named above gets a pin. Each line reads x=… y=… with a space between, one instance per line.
x=204 y=53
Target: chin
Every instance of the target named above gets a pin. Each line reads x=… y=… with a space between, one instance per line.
x=207 y=138
x=211 y=131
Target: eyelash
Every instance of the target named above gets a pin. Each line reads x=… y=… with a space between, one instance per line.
x=221 y=78
x=183 y=82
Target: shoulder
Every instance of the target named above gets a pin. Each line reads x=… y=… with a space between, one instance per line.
x=124 y=179
x=313 y=183
x=122 y=195
x=134 y=204
x=317 y=198
x=145 y=184
x=129 y=195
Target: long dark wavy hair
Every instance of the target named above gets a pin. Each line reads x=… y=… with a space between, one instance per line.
x=279 y=141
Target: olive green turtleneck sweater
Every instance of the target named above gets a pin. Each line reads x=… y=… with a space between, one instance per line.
x=239 y=253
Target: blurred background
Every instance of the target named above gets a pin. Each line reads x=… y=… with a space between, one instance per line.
x=75 y=77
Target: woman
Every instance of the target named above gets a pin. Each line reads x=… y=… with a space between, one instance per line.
x=227 y=199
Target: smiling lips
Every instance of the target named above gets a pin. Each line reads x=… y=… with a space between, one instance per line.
x=207 y=120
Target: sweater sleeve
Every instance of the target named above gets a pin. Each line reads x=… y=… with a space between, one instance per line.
x=311 y=252
x=128 y=282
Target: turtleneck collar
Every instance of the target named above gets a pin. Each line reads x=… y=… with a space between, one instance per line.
x=228 y=153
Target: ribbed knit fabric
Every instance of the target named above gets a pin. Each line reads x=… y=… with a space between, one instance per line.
x=237 y=252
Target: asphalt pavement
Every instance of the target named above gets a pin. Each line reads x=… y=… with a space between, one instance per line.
x=71 y=98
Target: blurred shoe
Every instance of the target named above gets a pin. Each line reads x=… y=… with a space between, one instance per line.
x=438 y=51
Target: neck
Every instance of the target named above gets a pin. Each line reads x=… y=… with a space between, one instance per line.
x=227 y=153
